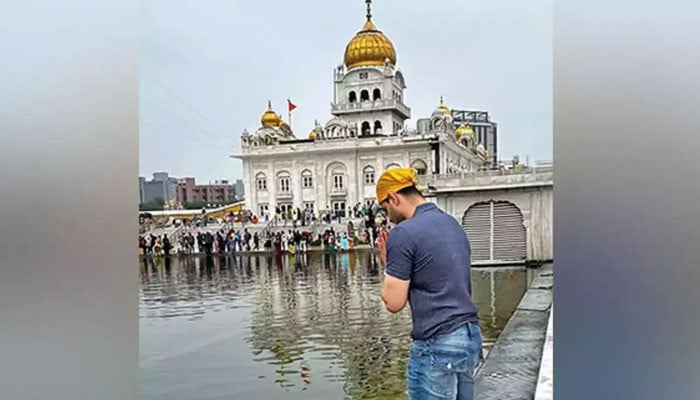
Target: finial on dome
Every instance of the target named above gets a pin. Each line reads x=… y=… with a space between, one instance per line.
x=369 y=9
x=269 y=105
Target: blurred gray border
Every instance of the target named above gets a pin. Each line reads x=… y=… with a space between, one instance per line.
x=68 y=200
x=626 y=212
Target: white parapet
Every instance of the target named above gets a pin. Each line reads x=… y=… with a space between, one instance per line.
x=545 y=382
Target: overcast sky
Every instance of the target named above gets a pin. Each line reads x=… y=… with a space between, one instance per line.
x=209 y=67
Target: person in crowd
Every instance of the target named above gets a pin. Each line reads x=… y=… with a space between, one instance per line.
x=256 y=241
x=167 y=246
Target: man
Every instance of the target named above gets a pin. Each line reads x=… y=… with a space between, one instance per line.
x=246 y=239
x=256 y=241
x=427 y=263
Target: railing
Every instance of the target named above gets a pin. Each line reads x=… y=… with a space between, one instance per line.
x=499 y=172
x=369 y=104
x=485 y=179
x=177 y=234
x=266 y=229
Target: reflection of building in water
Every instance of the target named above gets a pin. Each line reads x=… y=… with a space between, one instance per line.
x=313 y=318
x=497 y=292
x=330 y=310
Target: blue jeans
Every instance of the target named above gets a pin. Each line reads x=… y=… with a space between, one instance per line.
x=443 y=367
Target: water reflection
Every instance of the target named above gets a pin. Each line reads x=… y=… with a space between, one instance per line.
x=315 y=325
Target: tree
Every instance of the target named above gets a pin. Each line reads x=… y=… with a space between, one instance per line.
x=195 y=205
x=153 y=205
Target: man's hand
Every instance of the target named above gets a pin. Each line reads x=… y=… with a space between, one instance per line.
x=381 y=247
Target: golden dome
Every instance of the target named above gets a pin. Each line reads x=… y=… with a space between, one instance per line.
x=270 y=118
x=369 y=47
x=470 y=131
x=460 y=131
x=312 y=134
x=442 y=107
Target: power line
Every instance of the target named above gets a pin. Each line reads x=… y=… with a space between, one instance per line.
x=183 y=102
x=228 y=141
x=184 y=135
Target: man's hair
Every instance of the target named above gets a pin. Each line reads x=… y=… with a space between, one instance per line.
x=410 y=191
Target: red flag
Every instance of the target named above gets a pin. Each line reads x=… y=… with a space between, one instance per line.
x=291 y=105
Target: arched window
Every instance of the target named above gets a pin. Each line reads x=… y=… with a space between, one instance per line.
x=352 y=97
x=368 y=173
x=376 y=94
x=377 y=127
x=307 y=181
x=284 y=182
x=393 y=165
x=365 y=128
x=420 y=167
x=364 y=95
x=261 y=181
x=336 y=171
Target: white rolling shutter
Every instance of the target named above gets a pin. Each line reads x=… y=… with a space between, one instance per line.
x=477 y=223
x=495 y=231
x=508 y=233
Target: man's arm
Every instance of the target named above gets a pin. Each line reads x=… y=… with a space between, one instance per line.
x=394 y=293
x=396 y=253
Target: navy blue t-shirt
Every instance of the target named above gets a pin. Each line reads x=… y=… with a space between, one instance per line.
x=432 y=251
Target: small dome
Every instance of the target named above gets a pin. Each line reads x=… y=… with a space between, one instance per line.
x=470 y=131
x=270 y=118
x=312 y=134
x=442 y=107
x=460 y=131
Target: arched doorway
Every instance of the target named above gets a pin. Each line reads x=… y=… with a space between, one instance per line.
x=377 y=127
x=496 y=231
x=365 y=128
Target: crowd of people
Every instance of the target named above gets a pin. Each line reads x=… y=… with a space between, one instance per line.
x=298 y=217
x=193 y=240
x=286 y=241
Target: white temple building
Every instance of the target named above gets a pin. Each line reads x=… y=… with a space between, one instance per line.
x=334 y=166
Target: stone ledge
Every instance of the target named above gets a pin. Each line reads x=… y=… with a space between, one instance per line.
x=512 y=368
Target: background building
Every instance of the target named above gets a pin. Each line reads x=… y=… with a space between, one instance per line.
x=219 y=192
x=239 y=189
x=161 y=186
x=485 y=130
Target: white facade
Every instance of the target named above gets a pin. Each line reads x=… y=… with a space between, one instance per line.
x=337 y=165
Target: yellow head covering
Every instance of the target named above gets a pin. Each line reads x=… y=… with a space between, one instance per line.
x=395 y=179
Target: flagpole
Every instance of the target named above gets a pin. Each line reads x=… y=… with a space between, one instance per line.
x=289 y=114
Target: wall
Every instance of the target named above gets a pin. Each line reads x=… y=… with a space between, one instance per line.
x=532 y=193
